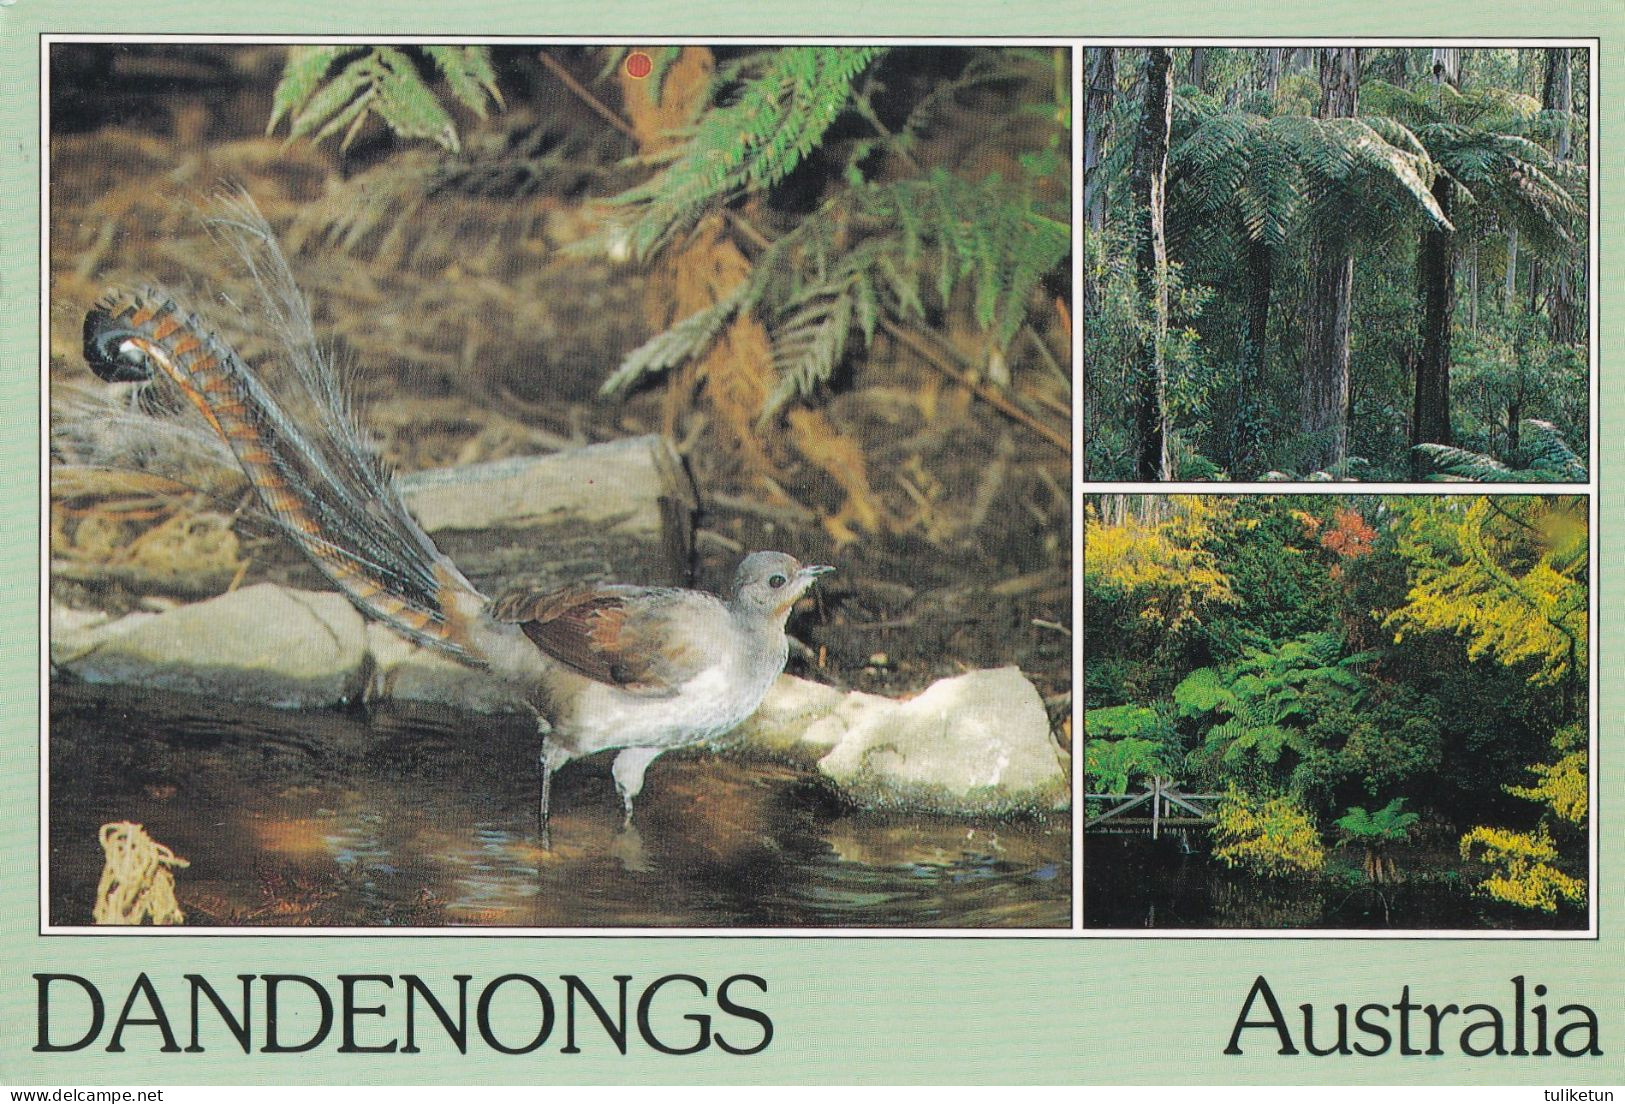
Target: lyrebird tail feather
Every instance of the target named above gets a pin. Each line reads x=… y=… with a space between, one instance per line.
x=313 y=474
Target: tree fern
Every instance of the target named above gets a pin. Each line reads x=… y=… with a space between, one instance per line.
x=1487 y=141
x=1550 y=460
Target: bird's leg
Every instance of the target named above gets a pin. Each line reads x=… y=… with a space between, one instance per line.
x=628 y=770
x=543 y=833
x=550 y=757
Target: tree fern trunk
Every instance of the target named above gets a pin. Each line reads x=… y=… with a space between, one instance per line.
x=1149 y=183
x=1472 y=289
x=1331 y=264
x=1436 y=280
x=1247 y=459
x=1511 y=293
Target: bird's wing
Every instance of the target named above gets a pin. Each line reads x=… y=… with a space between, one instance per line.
x=646 y=640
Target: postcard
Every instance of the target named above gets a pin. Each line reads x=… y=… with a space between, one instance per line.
x=767 y=548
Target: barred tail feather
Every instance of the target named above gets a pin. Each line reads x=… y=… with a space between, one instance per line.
x=320 y=484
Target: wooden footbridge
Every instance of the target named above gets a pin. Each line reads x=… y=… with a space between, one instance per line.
x=1160 y=807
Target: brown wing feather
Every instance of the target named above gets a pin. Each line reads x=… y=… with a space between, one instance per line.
x=629 y=637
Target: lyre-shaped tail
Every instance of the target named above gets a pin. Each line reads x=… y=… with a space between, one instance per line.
x=317 y=481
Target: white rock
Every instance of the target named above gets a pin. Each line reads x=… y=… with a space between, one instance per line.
x=75 y=632
x=976 y=744
x=265 y=643
x=782 y=724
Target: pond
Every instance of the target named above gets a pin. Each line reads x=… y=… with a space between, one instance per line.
x=427 y=818
x=1135 y=882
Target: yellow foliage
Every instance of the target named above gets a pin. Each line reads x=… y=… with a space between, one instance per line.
x=1563 y=786
x=1163 y=564
x=1273 y=837
x=1526 y=874
x=1516 y=587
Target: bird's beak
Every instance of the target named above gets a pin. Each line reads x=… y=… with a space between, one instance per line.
x=812 y=571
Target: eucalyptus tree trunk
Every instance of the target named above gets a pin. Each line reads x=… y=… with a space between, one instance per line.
x=1196 y=71
x=1100 y=77
x=1149 y=185
x=1271 y=62
x=1558 y=95
x=1331 y=292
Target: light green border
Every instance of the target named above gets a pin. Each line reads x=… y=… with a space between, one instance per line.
x=1081 y=1011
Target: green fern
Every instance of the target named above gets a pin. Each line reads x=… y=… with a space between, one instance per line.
x=1551 y=460
x=1487 y=142
x=683 y=341
x=1271 y=174
x=778 y=116
x=915 y=247
x=326 y=90
x=1389 y=824
x=926 y=239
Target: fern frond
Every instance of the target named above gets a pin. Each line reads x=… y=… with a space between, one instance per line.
x=467 y=72
x=808 y=346
x=748 y=145
x=667 y=349
x=381 y=81
x=1551 y=460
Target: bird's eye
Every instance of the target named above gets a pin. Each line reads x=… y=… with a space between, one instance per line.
x=776 y=581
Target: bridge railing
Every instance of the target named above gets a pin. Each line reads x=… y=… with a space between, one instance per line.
x=1162 y=805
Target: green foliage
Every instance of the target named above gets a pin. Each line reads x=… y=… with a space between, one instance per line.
x=1375 y=832
x=326 y=90
x=1389 y=824
x=1117 y=329
x=1521 y=398
x=779 y=104
x=1273 y=837
x=1486 y=141
x=1260 y=708
x=1294 y=695
x=1111 y=765
x=1122 y=720
x=907 y=247
x=1254 y=178
x=1265 y=175
x=1550 y=460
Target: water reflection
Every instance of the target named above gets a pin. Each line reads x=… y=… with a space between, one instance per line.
x=428 y=819
x=1132 y=881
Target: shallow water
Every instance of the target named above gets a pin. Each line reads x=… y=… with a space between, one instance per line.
x=1132 y=881
x=427 y=818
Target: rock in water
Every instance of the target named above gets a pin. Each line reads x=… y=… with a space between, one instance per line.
x=976 y=744
x=265 y=643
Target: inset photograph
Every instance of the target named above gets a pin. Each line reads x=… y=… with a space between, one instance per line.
x=559 y=487
x=1337 y=712
x=1337 y=263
